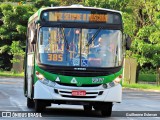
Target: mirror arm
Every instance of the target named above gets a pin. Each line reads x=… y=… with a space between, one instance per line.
x=128 y=42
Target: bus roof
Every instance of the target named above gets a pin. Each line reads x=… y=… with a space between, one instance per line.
x=37 y=14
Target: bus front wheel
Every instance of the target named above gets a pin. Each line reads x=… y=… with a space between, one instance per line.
x=39 y=105
x=104 y=107
x=30 y=103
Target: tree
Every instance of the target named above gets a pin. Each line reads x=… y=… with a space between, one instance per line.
x=141 y=22
x=13 y=21
x=146 y=44
x=43 y=3
x=13 y=29
x=70 y=2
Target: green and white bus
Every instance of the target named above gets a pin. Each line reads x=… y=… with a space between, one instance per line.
x=74 y=55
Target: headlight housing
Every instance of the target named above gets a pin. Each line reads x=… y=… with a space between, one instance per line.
x=113 y=83
x=43 y=80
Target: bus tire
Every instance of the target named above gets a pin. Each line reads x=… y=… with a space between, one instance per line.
x=87 y=107
x=39 y=105
x=30 y=103
x=106 y=110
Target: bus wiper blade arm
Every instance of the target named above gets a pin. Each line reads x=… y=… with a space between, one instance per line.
x=64 y=37
x=94 y=36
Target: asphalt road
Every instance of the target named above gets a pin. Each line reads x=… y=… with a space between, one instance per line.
x=135 y=102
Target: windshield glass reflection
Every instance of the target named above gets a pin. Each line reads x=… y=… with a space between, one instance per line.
x=80 y=47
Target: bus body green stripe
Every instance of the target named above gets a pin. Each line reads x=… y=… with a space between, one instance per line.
x=81 y=80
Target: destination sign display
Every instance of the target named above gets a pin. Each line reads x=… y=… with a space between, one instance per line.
x=81 y=16
x=59 y=16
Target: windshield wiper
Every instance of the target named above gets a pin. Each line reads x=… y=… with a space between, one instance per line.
x=64 y=36
x=94 y=36
x=65 y=41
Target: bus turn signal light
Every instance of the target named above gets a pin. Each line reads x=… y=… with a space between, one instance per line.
x=43 y=80
x=39 y=76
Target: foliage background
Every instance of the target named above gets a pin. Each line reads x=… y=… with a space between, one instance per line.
x=141 y=22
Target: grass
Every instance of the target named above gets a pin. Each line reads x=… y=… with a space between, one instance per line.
x=147 y=77
x=144 y=77
x=11 y=74
x=142 y=86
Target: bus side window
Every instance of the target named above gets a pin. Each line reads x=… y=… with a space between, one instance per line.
x=30 y=46
x=29 y=40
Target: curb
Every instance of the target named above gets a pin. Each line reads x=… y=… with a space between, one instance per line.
x=140 y=89
x=11 y=77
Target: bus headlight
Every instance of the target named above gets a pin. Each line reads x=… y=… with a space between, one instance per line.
x=113 y=83
x=117 y=80
x=43 y=80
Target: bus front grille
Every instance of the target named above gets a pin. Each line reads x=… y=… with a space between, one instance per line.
x=68 y=93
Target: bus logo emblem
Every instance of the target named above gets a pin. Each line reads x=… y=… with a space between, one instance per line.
x=57 y=79
x=74 y=80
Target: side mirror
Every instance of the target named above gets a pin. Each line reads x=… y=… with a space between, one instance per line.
x=33 y=36
x=128 y=42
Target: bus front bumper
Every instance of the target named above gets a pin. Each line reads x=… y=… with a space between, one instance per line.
x=61 y=92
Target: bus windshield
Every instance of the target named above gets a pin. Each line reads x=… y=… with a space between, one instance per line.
x=80 y=47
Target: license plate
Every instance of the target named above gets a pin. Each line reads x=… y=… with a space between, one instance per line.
x=78 y=93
